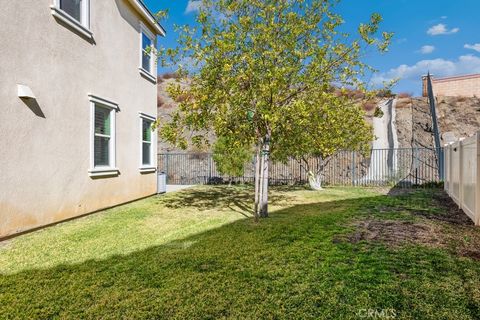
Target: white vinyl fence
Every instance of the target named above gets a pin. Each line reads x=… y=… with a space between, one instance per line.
x=462 y=175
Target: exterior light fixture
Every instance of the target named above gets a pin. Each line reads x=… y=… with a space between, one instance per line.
x=24 y=92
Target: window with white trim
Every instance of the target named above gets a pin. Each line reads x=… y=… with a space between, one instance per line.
x=147 y=52
x=75 y=13
x=102 y=135
x=146 y=143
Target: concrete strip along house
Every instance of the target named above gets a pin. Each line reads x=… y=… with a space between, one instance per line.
x=78 y=95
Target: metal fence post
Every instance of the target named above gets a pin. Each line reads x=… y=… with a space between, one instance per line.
x=209 y=168
x=165 y=166
x=354 y=175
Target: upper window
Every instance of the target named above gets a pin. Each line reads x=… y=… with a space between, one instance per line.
x=74 y=13
x=73 y=8
x=147 y=53
x=102 y=135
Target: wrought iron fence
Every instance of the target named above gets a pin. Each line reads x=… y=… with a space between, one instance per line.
x=381 y=167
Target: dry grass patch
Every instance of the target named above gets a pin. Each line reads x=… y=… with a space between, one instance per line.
x=393 y=233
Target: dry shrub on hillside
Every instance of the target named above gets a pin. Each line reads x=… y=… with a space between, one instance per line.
x=351 y=94
x=170 y=75
x=160 y=102
x=384 y=93
x=462 y=99
x=197 y=153
x=182 y=98
x=369 y=106
x=356 y=94
x=403 y=95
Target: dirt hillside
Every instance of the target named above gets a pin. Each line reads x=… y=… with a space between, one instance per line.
x=457 y=116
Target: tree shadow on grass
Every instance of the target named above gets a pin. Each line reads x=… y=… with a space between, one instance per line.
x=239 y=199
x=287 y=267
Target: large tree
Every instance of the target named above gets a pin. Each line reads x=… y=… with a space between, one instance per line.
x=263 y=73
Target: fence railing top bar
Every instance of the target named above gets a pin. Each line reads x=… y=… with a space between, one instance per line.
x=469 y=140
x=340 y=151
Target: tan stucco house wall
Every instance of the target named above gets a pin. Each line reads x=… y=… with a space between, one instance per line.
x=46 y=142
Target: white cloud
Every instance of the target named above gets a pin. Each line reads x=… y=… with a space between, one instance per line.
x=443 y=17
x=193 y=6
x=441 y=29
x=475 y=46
x=439 y=67
x=427 y=49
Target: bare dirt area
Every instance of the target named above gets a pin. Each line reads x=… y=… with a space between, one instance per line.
x=459 y=240
x=450 y=212
x=393 y=232
x=445 y=227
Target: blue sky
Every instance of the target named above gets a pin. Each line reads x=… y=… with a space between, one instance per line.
x=440 y=36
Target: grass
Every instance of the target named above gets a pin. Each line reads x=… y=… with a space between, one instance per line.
x=198 y=254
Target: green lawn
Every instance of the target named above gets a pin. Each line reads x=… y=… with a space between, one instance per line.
x=339 y=253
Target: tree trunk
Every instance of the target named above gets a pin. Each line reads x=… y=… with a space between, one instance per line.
x=260 y=181
x=257 y=181
x=315 y=180
x=264 y=183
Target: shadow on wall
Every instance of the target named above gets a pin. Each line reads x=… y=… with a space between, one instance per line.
x=33 y=105
x=126 y=11
x=65 y=25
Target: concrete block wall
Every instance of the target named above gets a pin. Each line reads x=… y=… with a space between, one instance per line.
x=464 y=86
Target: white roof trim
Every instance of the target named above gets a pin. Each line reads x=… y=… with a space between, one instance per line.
x=147 y=116
x=148 y=16
x=103 y=102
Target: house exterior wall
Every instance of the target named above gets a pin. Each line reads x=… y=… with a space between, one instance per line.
x=45 y=148
x=464 y=86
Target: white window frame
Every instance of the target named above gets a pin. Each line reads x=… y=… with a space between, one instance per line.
x=111 y=169
x=150 y=167
x=149 y=74
x=83 y=26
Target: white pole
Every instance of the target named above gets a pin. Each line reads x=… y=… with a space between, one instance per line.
x=477 y=182
x=460 y=178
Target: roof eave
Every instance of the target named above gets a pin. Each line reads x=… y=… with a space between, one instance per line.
x=148 y=16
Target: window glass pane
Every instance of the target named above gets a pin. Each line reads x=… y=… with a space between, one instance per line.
x=102 y=120
x=146 y=153
x=73 y=8
x=102 y=151
x=146 y=42
x=147 y=131
x=146 y=61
